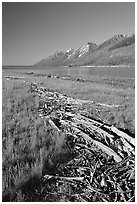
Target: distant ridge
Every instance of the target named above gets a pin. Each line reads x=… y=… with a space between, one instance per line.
x=118 y=50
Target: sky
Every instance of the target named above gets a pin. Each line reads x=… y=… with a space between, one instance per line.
x=32 y=31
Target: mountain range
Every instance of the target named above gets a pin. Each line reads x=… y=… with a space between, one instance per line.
x=118 y=50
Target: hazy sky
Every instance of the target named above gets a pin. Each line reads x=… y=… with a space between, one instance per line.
x=33 y=31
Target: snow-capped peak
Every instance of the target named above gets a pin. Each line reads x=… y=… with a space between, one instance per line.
x=70 y=50
x=86 y=48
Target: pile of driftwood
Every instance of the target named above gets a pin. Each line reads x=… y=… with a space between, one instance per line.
x=103 y=169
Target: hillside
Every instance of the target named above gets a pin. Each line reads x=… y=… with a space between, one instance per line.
x=118 y=50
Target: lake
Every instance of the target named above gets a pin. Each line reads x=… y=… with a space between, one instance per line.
x=82 y=72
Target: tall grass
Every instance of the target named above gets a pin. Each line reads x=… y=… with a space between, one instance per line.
x=30 y=146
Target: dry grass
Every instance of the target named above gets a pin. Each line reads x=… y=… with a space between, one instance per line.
x=29 y=147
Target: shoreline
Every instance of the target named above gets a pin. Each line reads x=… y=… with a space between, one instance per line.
x=66 y=66
x=94 y=66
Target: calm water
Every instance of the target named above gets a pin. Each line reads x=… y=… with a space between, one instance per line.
x=82 y=72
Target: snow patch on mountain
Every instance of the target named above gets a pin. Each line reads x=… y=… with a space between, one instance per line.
x=70 y=50
x=83 y=50
x=80 y=51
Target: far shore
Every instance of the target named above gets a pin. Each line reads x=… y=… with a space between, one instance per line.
x=67 y=66
x=94 y=66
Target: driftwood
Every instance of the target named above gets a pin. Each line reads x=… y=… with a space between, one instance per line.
x=103 y=169
x=80 y=179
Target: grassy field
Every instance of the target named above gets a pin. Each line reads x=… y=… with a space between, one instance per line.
x=100 y=90
x=31 y=148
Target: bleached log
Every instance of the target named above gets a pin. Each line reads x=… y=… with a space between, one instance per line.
x=64 y=178
x=95 y=127
x=122 y=134
x=104 y=148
